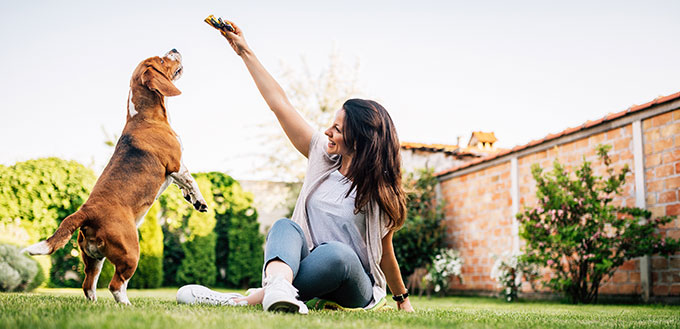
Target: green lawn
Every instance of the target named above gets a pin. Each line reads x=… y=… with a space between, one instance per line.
x=67 y=308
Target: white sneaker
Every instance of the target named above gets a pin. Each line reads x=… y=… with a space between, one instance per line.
x=281 y=296
x=197 y=294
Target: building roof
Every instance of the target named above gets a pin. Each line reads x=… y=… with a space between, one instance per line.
x=429 y=147
x=588 y=124
x=483 y=137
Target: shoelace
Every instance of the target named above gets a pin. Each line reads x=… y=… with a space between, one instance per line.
x=211 y=298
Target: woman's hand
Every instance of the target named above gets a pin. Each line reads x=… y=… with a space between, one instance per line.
x=405 y=305
x=236 y=39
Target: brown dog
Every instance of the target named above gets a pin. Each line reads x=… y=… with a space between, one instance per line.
x=147 y=158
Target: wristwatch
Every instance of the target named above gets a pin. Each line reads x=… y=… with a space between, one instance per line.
x=400 y=298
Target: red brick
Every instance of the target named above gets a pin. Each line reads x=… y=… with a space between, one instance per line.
x=666 y=197
x=651 y=135
x=677 y=168
x=652 y=160
x=673 y=234
x=622 y=144
x=664 y=171
x=673 y=209
x=662 y=119
x=620 y=277
x=662 y=145
x=671 y=130
x=656 y=186
x=674 y=262
x=675 y=290
x=630 y=288
x=676 y=115
x=630 y=265
x=661 y=290
x=634 y=277
x=646 y=124
x=672 y=183
x=659 y=263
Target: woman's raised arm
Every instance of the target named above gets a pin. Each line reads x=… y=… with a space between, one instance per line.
x=299 y=132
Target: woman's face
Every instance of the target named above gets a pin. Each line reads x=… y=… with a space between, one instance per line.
x=336 y=141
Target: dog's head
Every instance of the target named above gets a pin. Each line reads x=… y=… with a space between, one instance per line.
x=157 y=73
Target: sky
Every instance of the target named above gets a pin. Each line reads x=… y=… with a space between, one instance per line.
x=522 y=69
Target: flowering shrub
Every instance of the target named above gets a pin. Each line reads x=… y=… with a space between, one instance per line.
x=445 y=264
x=579 y=235
x=509 y=270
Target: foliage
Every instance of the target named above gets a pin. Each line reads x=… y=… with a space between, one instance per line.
x=149 y=272
x=239 y=253
x=41 y=193
x=580 y=235
x=509 y=270
x=445 y=265
x=18 y=272
x=198 y=264
x=422 y=237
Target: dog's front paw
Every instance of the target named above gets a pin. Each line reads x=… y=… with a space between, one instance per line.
x=201 y=206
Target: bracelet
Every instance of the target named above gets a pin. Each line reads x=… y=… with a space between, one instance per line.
x=400 y=298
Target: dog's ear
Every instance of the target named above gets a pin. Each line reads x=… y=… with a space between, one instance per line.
x=158 y=82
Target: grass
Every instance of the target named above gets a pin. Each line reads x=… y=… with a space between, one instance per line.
x=67 y=308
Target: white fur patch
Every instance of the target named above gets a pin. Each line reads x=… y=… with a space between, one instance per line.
x=40 y=248
x=121 y=295
x=175 y=56
x=91 y=293
x=131 y=106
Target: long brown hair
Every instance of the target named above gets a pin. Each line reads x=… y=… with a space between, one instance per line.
x=375 y=170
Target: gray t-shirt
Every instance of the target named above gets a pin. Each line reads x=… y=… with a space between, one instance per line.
x=332 y=218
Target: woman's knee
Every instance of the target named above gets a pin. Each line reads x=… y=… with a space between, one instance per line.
x=285 y=224
x=337 y=254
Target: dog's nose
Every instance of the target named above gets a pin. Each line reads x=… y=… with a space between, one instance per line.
x=174 y=51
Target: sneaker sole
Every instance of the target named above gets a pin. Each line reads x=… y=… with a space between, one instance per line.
x=284 y=307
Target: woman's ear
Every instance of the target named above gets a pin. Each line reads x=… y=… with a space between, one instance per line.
x=158 y=82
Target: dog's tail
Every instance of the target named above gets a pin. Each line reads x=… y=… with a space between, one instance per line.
x=60 y=237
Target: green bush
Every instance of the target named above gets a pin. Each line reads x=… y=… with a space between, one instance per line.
x=422 y=236
x=239 y=248
x=149 y=272
x=18 y=272
x=41 y=193
x=198 y=264
x=579 y=235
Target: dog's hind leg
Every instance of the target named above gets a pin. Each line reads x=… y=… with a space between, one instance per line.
x=93 y=267
x=124 y=257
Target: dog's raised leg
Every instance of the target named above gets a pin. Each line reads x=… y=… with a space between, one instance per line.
x=189 y=188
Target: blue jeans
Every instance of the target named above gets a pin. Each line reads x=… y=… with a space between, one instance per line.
x=331 y=271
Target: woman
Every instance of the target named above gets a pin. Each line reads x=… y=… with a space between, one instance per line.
x=338 y=244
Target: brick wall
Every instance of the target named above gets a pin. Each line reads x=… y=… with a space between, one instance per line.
x=479 y=214
x=479 y=222
x=662 y=176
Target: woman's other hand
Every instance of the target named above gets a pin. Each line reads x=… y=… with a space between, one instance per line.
x=236 y=39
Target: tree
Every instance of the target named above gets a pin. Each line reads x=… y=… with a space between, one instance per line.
x=422 y=237
x=317 y=98
x=579 y=235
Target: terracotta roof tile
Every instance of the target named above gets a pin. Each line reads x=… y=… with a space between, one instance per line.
x=587 y=124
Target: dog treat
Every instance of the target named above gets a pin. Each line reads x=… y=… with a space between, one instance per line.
x=218 y=23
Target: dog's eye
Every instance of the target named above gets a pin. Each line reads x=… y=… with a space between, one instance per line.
x=162 y=61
